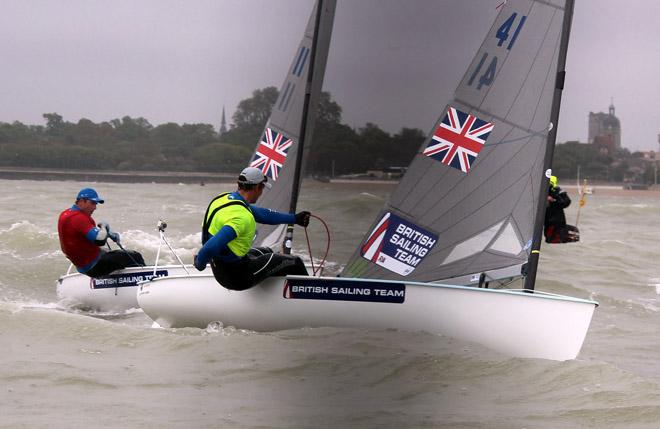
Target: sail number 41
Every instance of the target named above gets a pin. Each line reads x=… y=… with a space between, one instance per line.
x=502 y=35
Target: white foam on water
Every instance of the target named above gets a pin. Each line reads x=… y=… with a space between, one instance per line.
x=650 y=304
x=35 y=305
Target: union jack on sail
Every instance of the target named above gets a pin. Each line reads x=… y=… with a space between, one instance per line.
x=271 y=153
x=458 y=139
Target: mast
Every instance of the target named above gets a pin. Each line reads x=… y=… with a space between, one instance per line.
x=533 y=260
x=325 y=13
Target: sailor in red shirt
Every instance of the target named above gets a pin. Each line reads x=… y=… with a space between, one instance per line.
x=81 y=238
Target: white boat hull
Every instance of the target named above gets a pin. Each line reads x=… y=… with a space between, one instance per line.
x=115 y=293
x=531 y=325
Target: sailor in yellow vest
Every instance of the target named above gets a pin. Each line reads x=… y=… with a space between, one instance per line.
x=555 y=228
x=229 y=231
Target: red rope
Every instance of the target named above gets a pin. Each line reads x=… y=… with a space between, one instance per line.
x=327 y=247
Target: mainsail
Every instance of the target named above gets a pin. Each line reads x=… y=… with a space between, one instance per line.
x=278 y=153
x=469 y=200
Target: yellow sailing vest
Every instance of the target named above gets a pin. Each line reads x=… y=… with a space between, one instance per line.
x=225 y=210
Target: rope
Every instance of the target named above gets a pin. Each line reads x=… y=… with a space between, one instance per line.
x=107 y=243
x=129 y=255
x=137 y=264
x=327 y=247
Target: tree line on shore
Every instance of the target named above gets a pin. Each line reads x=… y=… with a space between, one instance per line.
x=595 y=164
x=134 y=144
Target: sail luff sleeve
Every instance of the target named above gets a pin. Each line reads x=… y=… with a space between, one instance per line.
x=530 y=279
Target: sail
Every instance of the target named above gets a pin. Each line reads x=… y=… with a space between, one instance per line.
x=278 y=148
x=468 y=201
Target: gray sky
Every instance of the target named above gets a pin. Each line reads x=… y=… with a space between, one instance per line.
x=391 y=62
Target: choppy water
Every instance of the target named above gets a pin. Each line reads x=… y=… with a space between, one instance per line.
x=62 y=368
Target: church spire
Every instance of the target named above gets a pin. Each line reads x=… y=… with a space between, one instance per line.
x=223 y=122
x=612 y=106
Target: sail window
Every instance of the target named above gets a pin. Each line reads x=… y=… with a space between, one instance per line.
x=473 y=245
x=508 y=241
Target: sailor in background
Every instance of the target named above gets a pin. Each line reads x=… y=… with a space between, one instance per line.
x=555 y=229
x=81 y=238
x=229 y=231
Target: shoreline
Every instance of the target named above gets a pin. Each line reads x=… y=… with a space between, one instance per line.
x=614 y=191
x=19 y=173
x=47 y=174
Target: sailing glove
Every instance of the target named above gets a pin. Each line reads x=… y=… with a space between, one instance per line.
x=101 y=236
x=197 y=264
x=114 y=236
x=302 y=218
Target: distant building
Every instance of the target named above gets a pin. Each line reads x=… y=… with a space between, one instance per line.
x=651 y=155
x=605 y=144
x=605 y=130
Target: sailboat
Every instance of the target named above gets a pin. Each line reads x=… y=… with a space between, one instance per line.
x=582 y=187
x=468 y=211
x=116 y=292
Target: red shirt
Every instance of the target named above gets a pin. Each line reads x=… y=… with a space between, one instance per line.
x=72 y=227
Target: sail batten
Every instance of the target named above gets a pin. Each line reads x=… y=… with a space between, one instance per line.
x=502 y=119
x=473 y=188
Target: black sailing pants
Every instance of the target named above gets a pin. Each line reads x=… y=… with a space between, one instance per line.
x=258 y=264
x=115 y=260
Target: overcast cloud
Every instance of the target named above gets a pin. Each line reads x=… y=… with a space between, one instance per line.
x=391 y=62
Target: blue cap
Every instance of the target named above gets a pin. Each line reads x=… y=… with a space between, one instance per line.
x=89 y=194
